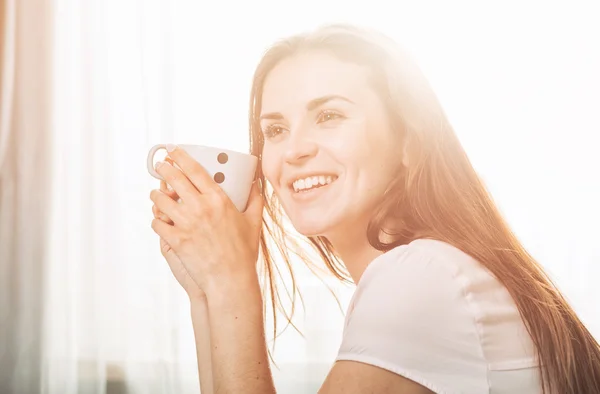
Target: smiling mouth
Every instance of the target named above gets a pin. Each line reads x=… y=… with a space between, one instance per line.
x=312 y=183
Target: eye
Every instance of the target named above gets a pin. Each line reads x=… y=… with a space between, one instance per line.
x=328 y=115
x=272 y=131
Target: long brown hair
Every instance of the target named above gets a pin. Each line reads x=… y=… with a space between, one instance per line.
x=439 y=195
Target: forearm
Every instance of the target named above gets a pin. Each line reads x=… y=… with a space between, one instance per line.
x=199 y=310
x=238 y=346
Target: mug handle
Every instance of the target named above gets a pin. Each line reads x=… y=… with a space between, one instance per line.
x=150 y=161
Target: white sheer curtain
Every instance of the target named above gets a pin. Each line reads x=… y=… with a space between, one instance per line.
x=116 y=321
x=25 y=28
x=522 y=94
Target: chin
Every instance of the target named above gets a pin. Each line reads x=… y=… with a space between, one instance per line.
x=314 y=219
x=309 y=229
x=312 y=226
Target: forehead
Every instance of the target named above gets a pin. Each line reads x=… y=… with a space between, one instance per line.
x=307 y=75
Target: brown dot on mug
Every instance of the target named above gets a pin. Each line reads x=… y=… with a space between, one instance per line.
x=219 y=177
x=222 y=158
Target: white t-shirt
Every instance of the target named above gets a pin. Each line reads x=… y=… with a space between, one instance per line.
x=431 y=313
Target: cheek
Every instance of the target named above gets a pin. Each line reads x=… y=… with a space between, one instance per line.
x=358 y=141
x=355 y=152
x=370 y=159
x=270 y=166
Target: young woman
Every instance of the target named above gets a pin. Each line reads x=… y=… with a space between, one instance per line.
x=356 y=150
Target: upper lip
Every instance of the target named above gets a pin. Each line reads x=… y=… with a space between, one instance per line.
x=294 y=178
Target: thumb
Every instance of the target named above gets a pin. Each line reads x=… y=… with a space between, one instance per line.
x=255 y=204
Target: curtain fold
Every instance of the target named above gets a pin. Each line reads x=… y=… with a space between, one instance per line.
x=7 y=71
x=25 y=172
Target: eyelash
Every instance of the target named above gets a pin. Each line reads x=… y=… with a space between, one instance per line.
x=269 y=133
x=336 y=115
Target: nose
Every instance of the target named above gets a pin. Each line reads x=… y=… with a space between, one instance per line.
x=300 y=148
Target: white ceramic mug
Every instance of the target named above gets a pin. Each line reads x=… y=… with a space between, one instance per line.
x=233 y=171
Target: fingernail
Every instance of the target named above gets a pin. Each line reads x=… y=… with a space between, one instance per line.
x=158 y=165
x=171 y=147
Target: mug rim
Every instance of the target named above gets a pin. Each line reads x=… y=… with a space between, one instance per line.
x=225 y=150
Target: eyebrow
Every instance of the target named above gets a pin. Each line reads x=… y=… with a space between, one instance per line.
x=311 y=106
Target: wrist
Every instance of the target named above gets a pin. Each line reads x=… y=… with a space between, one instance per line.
x=233 y=290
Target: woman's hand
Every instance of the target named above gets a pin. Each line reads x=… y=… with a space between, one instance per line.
x=216 y=244
x=175 y=264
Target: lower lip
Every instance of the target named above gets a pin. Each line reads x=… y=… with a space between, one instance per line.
x=312 y=193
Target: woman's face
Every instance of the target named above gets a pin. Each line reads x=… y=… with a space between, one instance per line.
x=329 y=149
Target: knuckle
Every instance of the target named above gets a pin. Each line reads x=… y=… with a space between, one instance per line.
x=177 y=242
x=195 y=216
x=187 y=220
x=164 y=247
x=217 y=199
x=186 y=224
x=199 y=210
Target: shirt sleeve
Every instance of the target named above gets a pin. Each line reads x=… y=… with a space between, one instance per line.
x=411 y=316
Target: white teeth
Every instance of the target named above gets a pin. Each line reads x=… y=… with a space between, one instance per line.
x=309 y=182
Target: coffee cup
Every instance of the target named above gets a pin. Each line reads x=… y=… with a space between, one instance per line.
x=233 y=171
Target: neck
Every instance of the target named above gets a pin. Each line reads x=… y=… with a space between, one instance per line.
x=355 y=251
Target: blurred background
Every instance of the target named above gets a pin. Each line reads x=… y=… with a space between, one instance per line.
x=87 y=303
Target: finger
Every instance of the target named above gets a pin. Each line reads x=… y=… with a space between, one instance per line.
x=159 y=215
x=194 y=171
x=165 y=188
x=254 y=208
x=167 y=206
x=167 y=232
x=170 y=190
x=180 y=183
x=165 y=248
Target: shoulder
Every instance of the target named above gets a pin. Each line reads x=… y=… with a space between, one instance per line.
x=417 y=279
x=428 y=258
x=426 y=311
x=414 y=290
x=428 y=275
